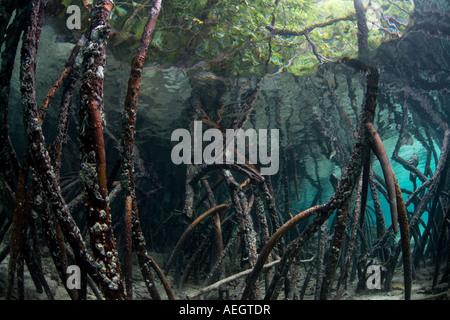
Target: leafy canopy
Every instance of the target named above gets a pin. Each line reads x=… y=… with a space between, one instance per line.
x=243 y=36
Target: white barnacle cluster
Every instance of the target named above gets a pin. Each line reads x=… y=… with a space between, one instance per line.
x=88 y=175
x=62 y=217
x=98 y=228
x=99 y=72
x=94 y=73
x=140 y=239
x=102 y=214
x=112 y=268
x=99 y=32
x=91 y=51
x=90 y=212
x=101 y=267
x=113 y=283
x=348 y=193
x=82 y=41
x=97 y=193
x=27 y=61
x=125 y=118
x=101 y=110
x=38 y=200
x=335 y=249
x=107 y=200
x=100 y=248
x=125 y=180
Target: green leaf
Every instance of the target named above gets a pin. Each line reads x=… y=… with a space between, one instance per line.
x=120 y=11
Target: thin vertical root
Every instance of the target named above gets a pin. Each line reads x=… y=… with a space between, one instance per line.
x=380 y=152
x=405 y=240
x=188 y=230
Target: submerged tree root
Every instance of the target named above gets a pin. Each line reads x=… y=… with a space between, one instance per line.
x=222 y=282
x=344 y=189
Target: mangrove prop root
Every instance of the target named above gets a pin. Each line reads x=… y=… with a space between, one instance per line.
x=342 y=282
x=55 y=245
x=134 y=231
x=405 y=240
x=338 y=239
x=401 y=214
x=59 y=82
x=93 y=158
x=440 y=244
x=39 y=156
x=378 y=149
x=381 y=228
x=349 y=180
x=19 y=228
x=406 y=164
x=323 y=234
x=9 y=163
x=128 y=264
x=267 y=249
x=222 y=282
x=397 y=203
x=365 y=187
x=245 y=222
x=216 y=220
x=188 y=230
x=56 y=148
x=434 y=180
x=233 y=238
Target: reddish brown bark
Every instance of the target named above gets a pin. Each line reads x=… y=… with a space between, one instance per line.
x=93 y=168
x=404 y=240
x=59 y=82
x=128 y=183
x=36 y=147
x=188 y=230
x=400 y=214
x=378 y=149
